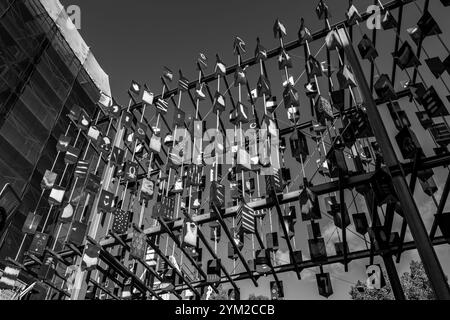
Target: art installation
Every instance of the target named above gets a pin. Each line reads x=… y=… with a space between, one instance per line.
x=203 y=183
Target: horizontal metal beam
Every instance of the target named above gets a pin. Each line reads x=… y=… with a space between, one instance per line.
x=158 y=251
x=331 y=260
x=286 y=234
x=111 y=261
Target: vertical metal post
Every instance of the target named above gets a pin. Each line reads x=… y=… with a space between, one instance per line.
x=387 y=257
x=394 y=279
x=412 y=215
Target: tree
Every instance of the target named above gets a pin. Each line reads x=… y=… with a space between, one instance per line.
x=253 y=297
x=415 y=285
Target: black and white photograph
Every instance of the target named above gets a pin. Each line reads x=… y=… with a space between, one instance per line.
x=224 y=158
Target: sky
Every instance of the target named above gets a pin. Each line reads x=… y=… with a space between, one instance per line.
x=134 y=39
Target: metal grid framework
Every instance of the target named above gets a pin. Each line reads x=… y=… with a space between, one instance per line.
x=117 y=267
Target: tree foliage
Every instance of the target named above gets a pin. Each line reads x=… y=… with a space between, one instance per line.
x=415 y=283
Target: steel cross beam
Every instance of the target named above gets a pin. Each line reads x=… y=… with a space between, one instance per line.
x=152 y=173
x=272 y=269
x=57 y=256
x=104 y=158
x=420 y=45
x=153 y=132
x=372 y=207
x=390 y=212
x=397 y=41
x=112 y=261
x=307 y=71
x=34 y=275
x=230 y=238
x=286 y=233
x=108 y=274
x=213 y=254
x=258 y=236
x=171 y=97
x=47 y=281
x=341 y=183
x=342 y=54
x=357 y=255
x=330 y=187
x=233 y=104
x=441 y=206
x=93 y=146
x=177 y=242
x=105 y=275
x=211 y=251
x=283 y=132
x=308 y=124
x=372 y=63
x=128 y=147
x=162 y=117
x=151 y=129
x=127 y=248
x=61 y=292
x=211 y=98
x=387 y=257
x=164 y=257
x=264 y=203
x=412 y=187
x=101 y=270
x=99 y=286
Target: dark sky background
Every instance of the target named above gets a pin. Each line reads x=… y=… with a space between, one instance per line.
x=134 y=39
